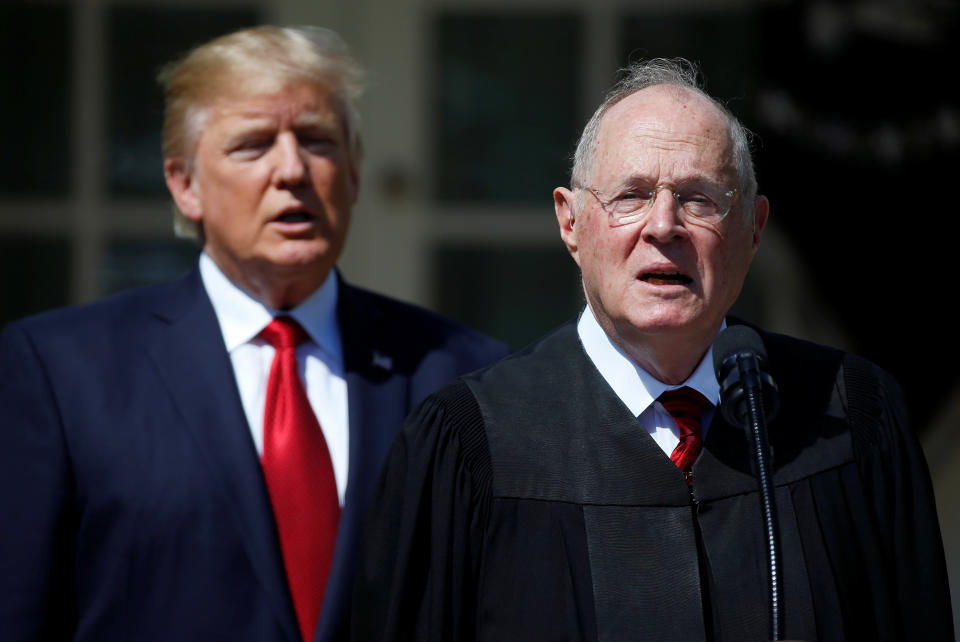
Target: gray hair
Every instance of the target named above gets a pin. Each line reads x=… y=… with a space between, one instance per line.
x=663 y=71
x=261 y=59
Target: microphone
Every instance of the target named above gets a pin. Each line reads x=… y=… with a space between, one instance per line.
x=739 y=359
x=748 y=398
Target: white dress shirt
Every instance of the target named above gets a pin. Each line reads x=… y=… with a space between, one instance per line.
x=320 y=360
x=638 y=389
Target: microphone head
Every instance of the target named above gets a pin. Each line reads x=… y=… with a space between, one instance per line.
x=739 y=360
x=732 y=341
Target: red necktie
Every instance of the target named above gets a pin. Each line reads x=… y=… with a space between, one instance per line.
x=299 y=474
x=686 y=406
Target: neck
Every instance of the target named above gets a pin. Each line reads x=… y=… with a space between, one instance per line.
x=281 y=288
x=670 y=357
x=285 y=296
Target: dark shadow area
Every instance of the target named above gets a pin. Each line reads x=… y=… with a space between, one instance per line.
x=859 y=147
x=35 y=276
x=37 y=81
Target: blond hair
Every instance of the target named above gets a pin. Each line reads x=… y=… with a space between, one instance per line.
x=259 y=60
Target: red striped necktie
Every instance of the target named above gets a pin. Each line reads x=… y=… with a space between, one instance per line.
x=299 y=475
x=686 y=406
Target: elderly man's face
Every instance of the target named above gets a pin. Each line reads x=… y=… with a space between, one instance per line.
x=272 y=182
x=661 y=275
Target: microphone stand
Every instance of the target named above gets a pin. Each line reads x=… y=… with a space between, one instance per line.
x=753 y=385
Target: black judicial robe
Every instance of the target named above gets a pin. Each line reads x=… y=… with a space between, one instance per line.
x=525 y=502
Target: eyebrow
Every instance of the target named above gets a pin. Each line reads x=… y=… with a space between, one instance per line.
x=256 y=125
x=305 y=118
x=638 y=180
x=316 y=119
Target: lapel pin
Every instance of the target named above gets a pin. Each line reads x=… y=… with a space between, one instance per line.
x=381 y=360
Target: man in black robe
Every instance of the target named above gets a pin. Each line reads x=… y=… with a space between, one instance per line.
x=539 y=499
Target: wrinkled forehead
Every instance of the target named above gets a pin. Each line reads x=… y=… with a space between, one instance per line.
x=300 y=102
x=670 y=126
x=240 y=83
x=296 y=100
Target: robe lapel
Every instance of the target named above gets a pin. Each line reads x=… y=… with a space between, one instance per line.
x=589 y=450
x=186 y=344
x=805 y=441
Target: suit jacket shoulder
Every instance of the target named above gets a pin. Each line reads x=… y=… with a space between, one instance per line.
x=102 y=334
x=384 y=337
x=410 y=329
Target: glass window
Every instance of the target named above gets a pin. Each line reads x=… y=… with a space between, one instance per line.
x=35 y=75
x=129 y=264
x=35 y=276
x=506 y=97
x=140 y=41
x=515 y=294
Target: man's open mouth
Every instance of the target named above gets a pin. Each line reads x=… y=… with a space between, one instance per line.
x=665 y=278
x=294 y=217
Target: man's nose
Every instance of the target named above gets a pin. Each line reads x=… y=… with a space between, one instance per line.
x=291 y=164
x=664 y=221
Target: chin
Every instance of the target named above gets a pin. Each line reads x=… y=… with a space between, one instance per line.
x=665 y=322
x=303 y=254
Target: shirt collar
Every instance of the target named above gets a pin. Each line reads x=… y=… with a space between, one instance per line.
x=636 y=387
x=242 y=317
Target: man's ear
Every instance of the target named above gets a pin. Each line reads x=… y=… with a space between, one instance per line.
x=564 y=206
x=761 y=210
x=183 y=188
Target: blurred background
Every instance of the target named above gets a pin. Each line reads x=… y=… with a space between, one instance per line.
x=470 y=120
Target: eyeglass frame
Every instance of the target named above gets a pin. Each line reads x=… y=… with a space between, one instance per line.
x=631 y=217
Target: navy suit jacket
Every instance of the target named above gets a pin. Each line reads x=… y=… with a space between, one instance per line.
x=133 y=501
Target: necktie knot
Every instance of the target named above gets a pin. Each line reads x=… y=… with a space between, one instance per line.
x=686 y=406
x=284 y=332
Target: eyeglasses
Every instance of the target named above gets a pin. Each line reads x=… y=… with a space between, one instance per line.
x=708 y=204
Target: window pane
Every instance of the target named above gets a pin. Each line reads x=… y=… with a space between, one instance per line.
x=141 y=41
x=507 y=100
x=36 y=80
x=130 y=264
x=35 y=276
x=515 y=295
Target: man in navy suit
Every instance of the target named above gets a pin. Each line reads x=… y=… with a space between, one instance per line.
x=132 y=430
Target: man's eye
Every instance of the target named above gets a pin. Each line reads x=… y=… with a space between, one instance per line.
x=696 y=199
x=317 y=144
x=633 y=195
x=251 y=146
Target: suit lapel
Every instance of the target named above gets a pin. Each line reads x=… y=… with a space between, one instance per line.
x=377 y=392
x=186 y=344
